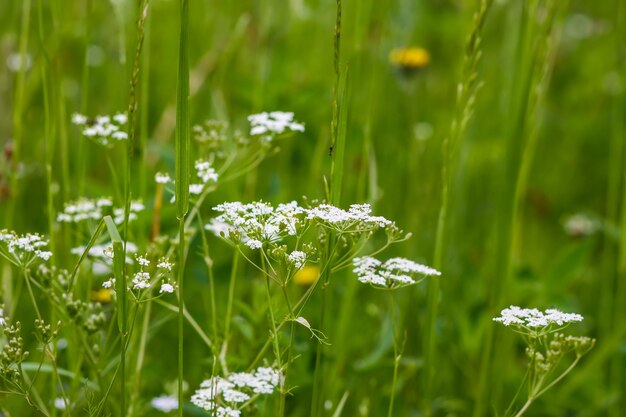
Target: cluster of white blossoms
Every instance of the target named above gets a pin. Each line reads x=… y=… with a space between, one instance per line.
x=3 y=320
x=23 y=250
x=204 y=171
x=95 y=209
x=102 y=129
x=297 y=259
x=267 y=125
x=533 y=319
x=357 y=218
x=393 y=273
x=143 y=279
x=221 y=396
x=207 y=175
x=84 y=209
x=165 y=403
x=581 y=224
x=256 y=223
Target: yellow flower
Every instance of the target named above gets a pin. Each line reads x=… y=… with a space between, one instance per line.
x=307 y=275
x=409 y=58
x=104 y=296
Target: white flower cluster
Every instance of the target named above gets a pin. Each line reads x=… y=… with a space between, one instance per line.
x=102 y=129
x=84 y=209
x=23 y=250
x=532 y=318
x=207 y=175
x=267 y=125
x=165 y=403
x=357 y=217
x=3 y=320
x=204 y=171
x=297 y=259
x=256 y=223
x=143 y=280
x=393 y=273
x=581 y=224
x=95 y=209
x=221 y=395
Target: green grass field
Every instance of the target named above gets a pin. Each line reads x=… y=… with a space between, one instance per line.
x=489 y=134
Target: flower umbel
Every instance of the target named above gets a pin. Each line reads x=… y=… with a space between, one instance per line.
x=23 y=250
x=534 y=322
x=393 y=273
x=225 y=396
x=103 y=130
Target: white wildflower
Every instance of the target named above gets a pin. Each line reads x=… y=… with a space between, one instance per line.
x=297 y=258
x=79 y=119
x=162 y=178
x=59 y=403
x=120 y=118
x=84 y=209
x=237 y=388
x=168 y=288
x=3 y=321
x=254 y=244
x=141 y=280
x=142 y=260
x=165 y=403
x=532 y=318
x=110 y=283
x=273 y=123
x=205 y=172
x=23 y=250
x=165 y=265
x=103 y=129
x=581 y=224
x=394 y=272
x=196 y=188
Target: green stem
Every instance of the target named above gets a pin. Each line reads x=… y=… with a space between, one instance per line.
x=231 y=296
x=396 y=354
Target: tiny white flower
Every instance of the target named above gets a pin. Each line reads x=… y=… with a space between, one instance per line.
x=142 y=261
x=297 y=258
x=79 y=119
x=162 y=178
x=168 y=288
x=254 y=244
x=110 y=283
x=165 y=265
x=196 y=188
x=120 y=118
x=165 y=403
x=59 y=403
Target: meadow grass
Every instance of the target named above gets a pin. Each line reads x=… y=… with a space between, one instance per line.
x=483 y=152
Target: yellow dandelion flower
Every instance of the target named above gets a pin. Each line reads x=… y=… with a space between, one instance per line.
x=307 y=275
x=104 y=296
x=409 y=58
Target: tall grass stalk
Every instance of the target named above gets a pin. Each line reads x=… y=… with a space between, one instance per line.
x=83 y=150
x=130 y=147
x=617 y=328
x=467 y=91
x=183 y=164
x=333 y=194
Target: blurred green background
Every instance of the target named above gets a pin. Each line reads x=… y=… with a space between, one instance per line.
x=252 y=56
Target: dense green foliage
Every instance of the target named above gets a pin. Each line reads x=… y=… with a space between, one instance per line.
x=537 y=134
